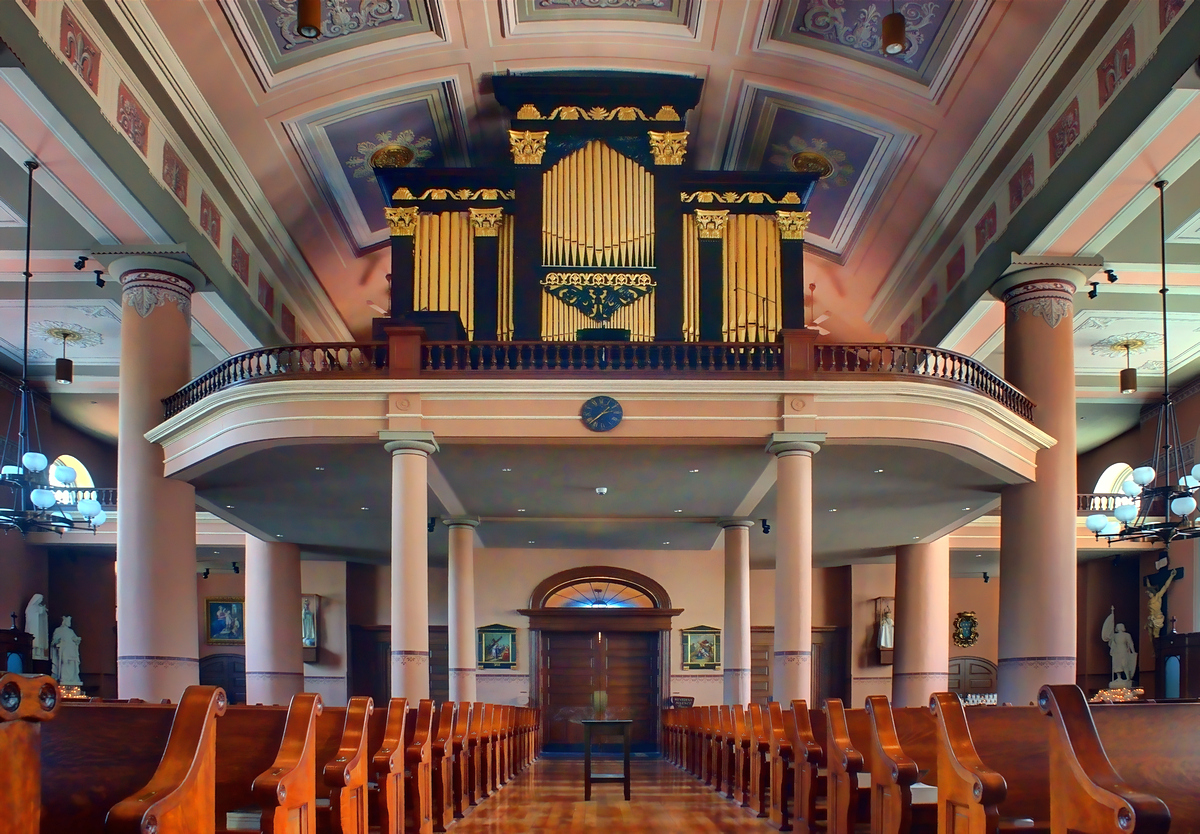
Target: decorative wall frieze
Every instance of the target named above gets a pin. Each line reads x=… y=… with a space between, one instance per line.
x=710 y=223
x=668 y=147
x=402 y=221
x=463 y=194
x=1052 y=301
x=792 y=224
x=567 y=113
x=528 y=146
x=791 y=198
x=486 y=222
x=145 y=291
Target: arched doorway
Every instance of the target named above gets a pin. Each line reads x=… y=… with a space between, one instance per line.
x=601 y=644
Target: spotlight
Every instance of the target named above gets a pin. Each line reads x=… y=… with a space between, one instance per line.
x=236 y=569
x=432 y=523
x=81 y=262
x=985 y=577
x=766 y=528
x=308 y=18
x=1112 y=276
x=99 y=280
x=894 y=39
x=206 y=573
x=1095 y=289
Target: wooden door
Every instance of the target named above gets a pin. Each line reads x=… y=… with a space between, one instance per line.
x=577 y=664
x=227 y=671
x=829 y=663
x=762 y=655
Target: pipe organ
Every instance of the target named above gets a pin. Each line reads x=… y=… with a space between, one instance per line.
x=597 y=230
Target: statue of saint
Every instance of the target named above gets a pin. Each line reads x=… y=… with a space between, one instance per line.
x=887 y=630
x=1120 y=648
x=37 y=623
x=1155 y=620
x=308 y=632
x=64 y=654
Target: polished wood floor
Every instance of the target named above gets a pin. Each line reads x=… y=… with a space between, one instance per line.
x=549 y=797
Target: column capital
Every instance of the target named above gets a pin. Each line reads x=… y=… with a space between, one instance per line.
x=1044 y=285
x=399 y=442
x=150 y=281
x=732 y=521
x=461 y=521
x=795 y=442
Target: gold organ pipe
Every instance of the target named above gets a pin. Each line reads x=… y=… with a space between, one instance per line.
x=504 y=327
x=445 y=266
x=691 y=279
x=561 y=321
x=752 y=278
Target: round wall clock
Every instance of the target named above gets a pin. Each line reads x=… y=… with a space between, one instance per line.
x=601 y=413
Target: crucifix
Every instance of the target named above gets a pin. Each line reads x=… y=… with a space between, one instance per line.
x=1155 y=585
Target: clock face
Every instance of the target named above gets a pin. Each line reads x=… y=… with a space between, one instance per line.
x=601 y=413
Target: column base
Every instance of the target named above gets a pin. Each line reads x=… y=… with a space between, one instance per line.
x=792 y=671
x=912 y=689
x=155 y=677
x=410 y=674
x=273 y=687
x=1020 y=678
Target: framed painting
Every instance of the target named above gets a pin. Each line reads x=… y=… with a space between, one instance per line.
x=225 y=620
x=702 y=647
x=497 y=647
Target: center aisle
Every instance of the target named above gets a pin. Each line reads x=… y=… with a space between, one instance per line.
x=549 y=797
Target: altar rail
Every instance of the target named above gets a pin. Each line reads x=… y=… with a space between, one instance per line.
x=761 y=360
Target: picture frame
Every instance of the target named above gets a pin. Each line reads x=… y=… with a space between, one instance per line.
x=225 y=621
x=496 y=646
x=310 y=626
x=701 y=647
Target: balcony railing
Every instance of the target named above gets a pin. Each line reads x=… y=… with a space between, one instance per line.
x=1100 y=502
x=758 y=360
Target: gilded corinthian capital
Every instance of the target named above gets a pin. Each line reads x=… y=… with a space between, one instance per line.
x=792 y=224
x=402 y=221
x=527 y=146
x=710 y=224
x=668 y=148
x=486 y=221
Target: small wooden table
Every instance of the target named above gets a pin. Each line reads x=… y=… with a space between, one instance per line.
x=600 y=728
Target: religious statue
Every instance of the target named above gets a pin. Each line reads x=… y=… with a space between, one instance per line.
x=1120 y=648
x=887 y=630
x=37 y=623
x=1156 y=619
x=308 y=633
x=64 y=654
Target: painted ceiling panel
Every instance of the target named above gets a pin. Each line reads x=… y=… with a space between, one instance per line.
x=773 y=126
x=337 y=144
x=649 y=11
x=853 y=28
x=346 y=24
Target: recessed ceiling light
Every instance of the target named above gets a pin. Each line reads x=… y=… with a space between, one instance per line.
x=520 y=511
x=878 y=471
x=965 y=509
x=216 y=551
x=229 y=506
x=833 y=509
x=916 y=537
x=364 y=508
x=279 y=535
x=319 y=468
x=679 y=511
x=531 y=541
x=506 y=469
x=978 y=555
x=693 y=471
x=666 y=542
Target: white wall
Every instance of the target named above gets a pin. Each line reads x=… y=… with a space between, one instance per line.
x=328 y=677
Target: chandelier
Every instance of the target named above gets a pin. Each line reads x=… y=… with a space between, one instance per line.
x=1164 y=493
x=35 y=505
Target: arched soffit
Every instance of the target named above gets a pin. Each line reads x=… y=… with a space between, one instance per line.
x=1110 y=480
x=543 y=595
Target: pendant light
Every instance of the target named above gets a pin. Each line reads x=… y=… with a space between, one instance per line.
x=894 y=40
x=1128 y=376
x=64 y=368
x=308 y=18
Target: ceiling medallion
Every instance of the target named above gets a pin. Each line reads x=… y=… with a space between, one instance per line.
x=58 y=332
x=1131 y=342
x=392 y=156
x=811 y=162
x=405 y=145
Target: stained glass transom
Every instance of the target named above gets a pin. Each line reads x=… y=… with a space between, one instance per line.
x=599 y=593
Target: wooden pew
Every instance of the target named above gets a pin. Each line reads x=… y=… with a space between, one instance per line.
x=711 y=728
x=493 y=763
x=774 y=801
x=903 y=769
x=1127 y=768
x=847 y=754
x=472 y=758
x=418 y=783
x=345 y=775
x=25 y=702
x=740 y=789
x=182 y=790
x=993 y=772
x=442 y=768
x=722 y=748
x=462 y=758
x=760 y=760
x=387 y=768
x=483 y=768
x=809 y=782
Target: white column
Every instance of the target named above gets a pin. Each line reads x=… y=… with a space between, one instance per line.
x=1038 y=520
x=921 y=663
x=410 y=561
x=274 y=653
x=792 y=667
x=736 y=639
x=461 y=607
x=157 y=639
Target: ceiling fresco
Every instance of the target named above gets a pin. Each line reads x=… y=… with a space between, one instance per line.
x=771 y=127
x=646 y=11
x=853 y=28
x=337 y=144
x=346 y=24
